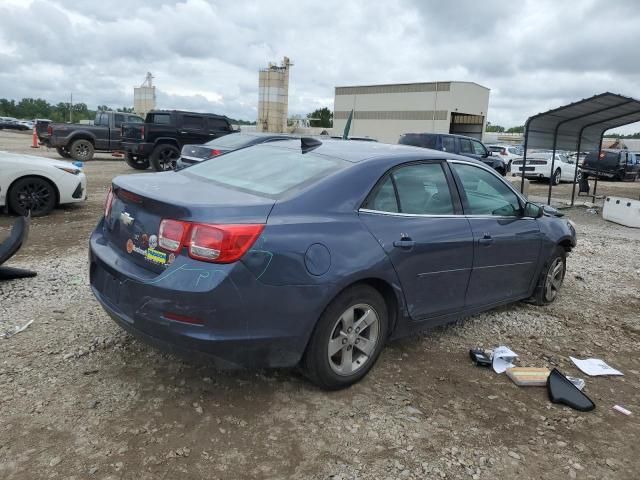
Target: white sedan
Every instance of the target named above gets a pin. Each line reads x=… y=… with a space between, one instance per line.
x=539 y=167
x=38 y=184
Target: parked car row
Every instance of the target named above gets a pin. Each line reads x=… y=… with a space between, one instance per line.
x=540 y=163
x=10 y=123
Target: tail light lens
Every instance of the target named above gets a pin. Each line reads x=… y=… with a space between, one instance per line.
x=171 y=234
x=108 y=203
x=142 y=131
x=602 y=155
x=215 y=152
x=222 y=243
x=503 y=152
x=209 y=243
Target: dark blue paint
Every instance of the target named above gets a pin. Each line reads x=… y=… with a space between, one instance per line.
x=261 y=310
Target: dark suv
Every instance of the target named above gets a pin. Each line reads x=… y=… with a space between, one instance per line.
x=163 y=134
x=459 y=144
x=612 y=164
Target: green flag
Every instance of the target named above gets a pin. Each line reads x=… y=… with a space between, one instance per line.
x=347 y=127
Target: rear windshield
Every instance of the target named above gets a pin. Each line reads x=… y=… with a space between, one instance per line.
x=231 y=141
x=419 y=140
x=267 y=170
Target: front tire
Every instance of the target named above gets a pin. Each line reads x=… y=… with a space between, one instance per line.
x=551 y=278
x=136 y=162
x=347 y=339
x=82 y=150
x=32 y=194
x=164 y=157
x=557 y=175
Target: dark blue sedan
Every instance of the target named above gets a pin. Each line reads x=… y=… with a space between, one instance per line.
x=316 y=254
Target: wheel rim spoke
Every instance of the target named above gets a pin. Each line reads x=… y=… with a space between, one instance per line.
x=335 y=345
x=365 y=345
x=347 y=319
x=346 y=364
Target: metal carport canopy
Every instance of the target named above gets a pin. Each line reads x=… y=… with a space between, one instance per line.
x=579 y=126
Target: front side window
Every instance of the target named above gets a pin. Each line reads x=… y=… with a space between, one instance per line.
x=486 y=194
x=420 y=189
x=217 y=124
x=478 y=149
x=465 y=145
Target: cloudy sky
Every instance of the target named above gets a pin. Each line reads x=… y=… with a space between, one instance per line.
x=205 y=55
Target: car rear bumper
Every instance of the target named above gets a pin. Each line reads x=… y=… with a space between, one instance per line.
x=243 y=322
x=140 y=149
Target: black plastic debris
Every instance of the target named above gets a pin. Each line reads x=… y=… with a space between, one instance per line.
x=562 y=390
x=10 y=246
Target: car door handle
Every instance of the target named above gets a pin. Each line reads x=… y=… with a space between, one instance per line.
x=404 y=243
x=486 y=239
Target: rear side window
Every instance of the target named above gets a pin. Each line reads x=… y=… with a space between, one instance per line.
x=118 y=120
x=160 y=118
x=420 y=140
x=267 y=170
x=193 y=122
x=448 y=144
x=420 y=189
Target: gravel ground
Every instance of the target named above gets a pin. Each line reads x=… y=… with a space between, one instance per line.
x=82 y=399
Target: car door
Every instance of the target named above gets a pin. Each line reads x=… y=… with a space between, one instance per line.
x=115 y=133
x=415 y=215
x=194 y=130
x=506 y=244
x=567 y=168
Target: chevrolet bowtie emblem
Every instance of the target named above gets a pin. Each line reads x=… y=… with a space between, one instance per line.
x=126 y=218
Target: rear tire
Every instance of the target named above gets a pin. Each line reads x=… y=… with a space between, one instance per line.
x=551 y=278
x=63 y=152
x=33 y=194
x=82 y=150
x=347 y=339
x=164 y=157
x=136 y=162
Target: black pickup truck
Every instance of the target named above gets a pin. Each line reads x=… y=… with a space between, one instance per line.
x=80 y=141
x=160 y=138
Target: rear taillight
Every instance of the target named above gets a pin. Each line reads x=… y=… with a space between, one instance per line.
x=209 y=243
x=172 y=234
x=503 y=152
x=602 y=155
x=222 y=243
x=215 y=152
x=49 y=131
x=108 y=203
x=142 y=131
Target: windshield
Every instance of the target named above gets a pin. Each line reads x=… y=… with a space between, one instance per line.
x=267 y=170
x=232 y=141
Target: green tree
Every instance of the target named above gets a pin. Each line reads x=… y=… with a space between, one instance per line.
x=519 y=129
x=494 y=128
x=323 y=117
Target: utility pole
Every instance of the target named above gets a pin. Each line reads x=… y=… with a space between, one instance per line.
x=70 y=108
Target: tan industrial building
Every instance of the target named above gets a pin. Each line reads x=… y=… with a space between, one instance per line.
x=385 y=112
x=273 y=97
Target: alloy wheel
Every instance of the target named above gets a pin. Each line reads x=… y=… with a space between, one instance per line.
x=554 y=279
x=81 y=150
x=167 y=158
x=353 y=339
x=34 y=196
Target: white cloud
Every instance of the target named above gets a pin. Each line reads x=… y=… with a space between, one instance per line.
x=204 y=55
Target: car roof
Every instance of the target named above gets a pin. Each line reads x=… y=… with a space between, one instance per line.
x=443 y=135
x=184 y=112
x=357 y=151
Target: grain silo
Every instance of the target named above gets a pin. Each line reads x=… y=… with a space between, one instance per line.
x=144 y=96
x=273 y=98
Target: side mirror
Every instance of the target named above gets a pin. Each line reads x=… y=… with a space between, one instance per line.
x=532 y=210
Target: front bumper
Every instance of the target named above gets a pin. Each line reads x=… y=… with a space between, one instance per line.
x=139 y=149
x=73 y=189
x=245 y=323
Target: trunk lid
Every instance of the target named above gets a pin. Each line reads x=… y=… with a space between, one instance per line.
x=141 y=202
x=196 y=153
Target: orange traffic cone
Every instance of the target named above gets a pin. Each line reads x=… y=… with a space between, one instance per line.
x=34 y=143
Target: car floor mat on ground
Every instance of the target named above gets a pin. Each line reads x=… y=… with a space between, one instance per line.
x=10 y=246
x=562 y=390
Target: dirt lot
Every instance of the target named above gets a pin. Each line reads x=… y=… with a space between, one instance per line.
x=81 y=399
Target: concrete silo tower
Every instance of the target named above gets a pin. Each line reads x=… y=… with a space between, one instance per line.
x=273 y=98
